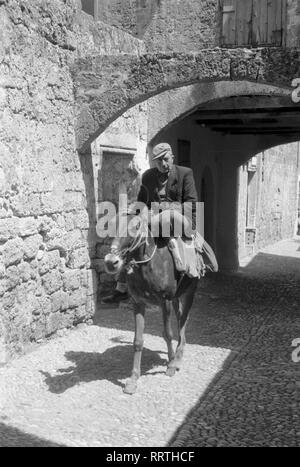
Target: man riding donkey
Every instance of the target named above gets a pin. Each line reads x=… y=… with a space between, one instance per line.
x=173 y=187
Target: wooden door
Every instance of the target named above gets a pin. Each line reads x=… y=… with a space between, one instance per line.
x=253 y=23
x=228 y=9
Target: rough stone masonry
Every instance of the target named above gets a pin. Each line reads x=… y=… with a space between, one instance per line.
x=47 y=280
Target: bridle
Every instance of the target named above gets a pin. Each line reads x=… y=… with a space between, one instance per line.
x=140 y=239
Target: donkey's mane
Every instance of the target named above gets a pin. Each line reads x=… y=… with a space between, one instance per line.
x=140 y=239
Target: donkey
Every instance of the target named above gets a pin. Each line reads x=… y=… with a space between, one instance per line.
x=152 y=280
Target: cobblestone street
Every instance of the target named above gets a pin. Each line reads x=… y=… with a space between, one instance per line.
x=238 y=385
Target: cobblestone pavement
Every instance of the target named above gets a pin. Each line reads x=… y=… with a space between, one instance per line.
x=238 y=385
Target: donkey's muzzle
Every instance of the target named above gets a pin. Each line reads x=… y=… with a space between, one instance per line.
x=112 y=263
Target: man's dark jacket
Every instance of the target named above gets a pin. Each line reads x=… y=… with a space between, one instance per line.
x=180 y=188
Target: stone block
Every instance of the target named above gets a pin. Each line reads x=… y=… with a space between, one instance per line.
x=27 y=226
x=77 y=298
x=54 y=322
x=2 y=269
x=3 y=286
x=69 y=221
x=59 y=220
x=38 y=330
x=56 y=240
x=49 y=261
x=52 y=282
x=45 y=224
x=67 y=319
x=73 y=240
x=13 y=277
x=75 y=182
x=59 y=301
x=8 y=300
x=41 y=255
x=80 y=314
x=78 y=259
x=34 y=269
x=8 y=229
x=52 y=202
x=26 y=205
x=25 y=271
x=81 y=220
x=72 y=279
x=74 y=201
x=32 y=246
x=13 y=251
x=45 y=305
x=33 y=304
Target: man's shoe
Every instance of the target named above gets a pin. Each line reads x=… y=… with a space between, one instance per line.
x=115 y=298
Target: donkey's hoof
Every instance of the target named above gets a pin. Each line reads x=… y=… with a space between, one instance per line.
x=130 y=388
x=171 y=371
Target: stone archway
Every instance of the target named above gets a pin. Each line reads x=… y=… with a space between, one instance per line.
x=105 y=87
x=170 y=107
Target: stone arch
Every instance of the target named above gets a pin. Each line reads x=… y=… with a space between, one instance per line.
x=105 y=87
x=168 y=106
x=172 y=106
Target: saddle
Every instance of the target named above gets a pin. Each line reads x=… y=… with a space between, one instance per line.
x=192 y=256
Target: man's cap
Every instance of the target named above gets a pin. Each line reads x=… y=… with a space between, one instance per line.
x=160 y=150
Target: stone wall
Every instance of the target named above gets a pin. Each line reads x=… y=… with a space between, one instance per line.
x=277 y=195
x=47 y=280
x=118 y=13
x=183 y=26
x=165 y=25
x=179 y=25
x=271 y=195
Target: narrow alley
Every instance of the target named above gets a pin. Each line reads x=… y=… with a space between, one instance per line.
x=238 y=386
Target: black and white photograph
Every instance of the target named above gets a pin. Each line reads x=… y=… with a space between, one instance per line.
x=149 y=226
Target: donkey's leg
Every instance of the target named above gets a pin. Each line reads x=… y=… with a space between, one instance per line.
x=182 y=311
x=172 y=364
x=139 y=313
x=168 y=333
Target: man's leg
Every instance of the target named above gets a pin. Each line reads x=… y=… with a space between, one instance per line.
x=120 y=293
x=170 y=223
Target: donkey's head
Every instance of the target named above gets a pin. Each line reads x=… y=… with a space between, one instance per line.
x=132 y=232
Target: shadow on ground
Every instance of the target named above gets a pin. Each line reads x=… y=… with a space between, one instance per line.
x=230 y=298
x=114 y=365
x=13 y=437
x=275 y=265
x=253 y=400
